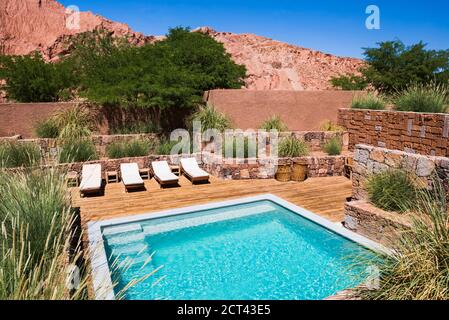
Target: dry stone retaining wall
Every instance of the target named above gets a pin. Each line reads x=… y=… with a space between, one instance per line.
x=421 y=133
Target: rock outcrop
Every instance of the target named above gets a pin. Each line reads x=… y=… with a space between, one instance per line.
x=43 y=25
x=47 y=26
x=273 y=65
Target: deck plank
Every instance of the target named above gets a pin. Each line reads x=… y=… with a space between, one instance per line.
x=323 y=196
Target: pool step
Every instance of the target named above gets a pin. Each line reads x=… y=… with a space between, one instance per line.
x=201 y=220
x=121 y=229
x=129 y=250
x=125 y=239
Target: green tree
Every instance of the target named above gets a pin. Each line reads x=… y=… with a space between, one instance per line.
x=168 y=75
x=30 y=79
x=392 y=66
x=350 y=82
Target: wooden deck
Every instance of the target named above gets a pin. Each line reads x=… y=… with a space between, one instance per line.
x=323 y=196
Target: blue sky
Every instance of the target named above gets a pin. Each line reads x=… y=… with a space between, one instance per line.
x=336 y=27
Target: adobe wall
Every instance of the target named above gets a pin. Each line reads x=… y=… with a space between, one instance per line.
x=21 y=118
x=300 y=110
x=422 y=133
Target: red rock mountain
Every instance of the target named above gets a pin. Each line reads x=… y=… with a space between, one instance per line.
x=29 y=25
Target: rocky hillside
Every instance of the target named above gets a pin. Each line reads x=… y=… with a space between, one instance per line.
x=274 y=65
x=45 y=25
x=29 y=25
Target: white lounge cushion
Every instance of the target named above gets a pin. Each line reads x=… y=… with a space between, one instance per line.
x=130 y=174
x=191 y=167
x=91 y=177
x=163 y=172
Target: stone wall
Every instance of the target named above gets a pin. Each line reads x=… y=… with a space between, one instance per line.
x=374 y=223
x=49 y=147
x=240 y=169
x=370 y=160
x=317 y=139
x=411 y=132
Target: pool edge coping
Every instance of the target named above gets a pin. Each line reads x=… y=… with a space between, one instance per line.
x=101 y=277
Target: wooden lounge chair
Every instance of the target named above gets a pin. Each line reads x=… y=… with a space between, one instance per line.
x=91 y=180
x=131 y=176
x=163 y=173
x=192 y=170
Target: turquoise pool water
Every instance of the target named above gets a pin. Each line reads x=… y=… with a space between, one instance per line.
x=251 y=251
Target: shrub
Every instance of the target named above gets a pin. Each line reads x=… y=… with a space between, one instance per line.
x=36 y=237
x=135 y=148
x=328 y=125
x=392 y=66
x=418 y=267
x=31 y=79
x=350 y=82
x=210 y=118
x=166 y=146
x=392 y=190
x=76 y=122
x=274 y=123
x=292 y=147
x=136 y=128
x=171 y=74
x=15 y=154
x=47 y=129
x=74 y=150
x=430 y=98
x=334 y=146
x=369 y=101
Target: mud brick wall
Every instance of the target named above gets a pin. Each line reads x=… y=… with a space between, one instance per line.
x=369 y=160
x=426 y=134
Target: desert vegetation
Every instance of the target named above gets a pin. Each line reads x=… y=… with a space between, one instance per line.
x=392 y=66
x=329 y=125
x=274 y=123
x=392 y=190
x=417 y=269
x=15 y=154
x=369 y=101
x=292 y=147
x=429 y=98
x=334 y=146
x=38 y=238
x=164 y=77
x=134 y=148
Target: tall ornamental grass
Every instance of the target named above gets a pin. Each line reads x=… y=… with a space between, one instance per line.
x=429 y=98
x=292 y=147
x=334 y=146
x=77 y=150
x=392 y=190
x=37 y=228
x=210 y=118
x=14 y=154
x=418 y=268
x=274 y=123
x=368 y=102
x=134 y=148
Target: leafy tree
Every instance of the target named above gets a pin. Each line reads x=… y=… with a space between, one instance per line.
x=350 y=82
x=167 y=75
x=30 y=79
x=393 y=66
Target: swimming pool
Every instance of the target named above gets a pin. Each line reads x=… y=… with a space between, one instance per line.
x=255 y=248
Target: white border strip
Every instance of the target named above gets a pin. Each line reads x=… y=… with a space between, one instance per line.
x=102 y=281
